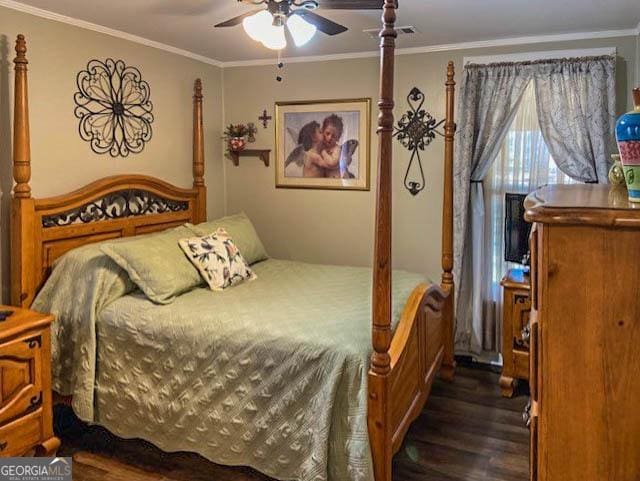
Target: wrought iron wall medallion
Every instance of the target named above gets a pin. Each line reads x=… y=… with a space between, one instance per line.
x=114 y=107
x=415 y=130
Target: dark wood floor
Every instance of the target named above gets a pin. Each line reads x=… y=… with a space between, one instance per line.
x=467 y=432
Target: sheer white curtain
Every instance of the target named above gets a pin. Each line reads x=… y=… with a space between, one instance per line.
x=523 y=164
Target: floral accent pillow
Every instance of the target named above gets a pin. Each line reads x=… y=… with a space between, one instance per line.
x=218 y=260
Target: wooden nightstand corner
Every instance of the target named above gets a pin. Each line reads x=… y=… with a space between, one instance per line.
x=516 y=309
x=26 y=419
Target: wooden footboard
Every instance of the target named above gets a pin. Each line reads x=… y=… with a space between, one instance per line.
x=416 y=354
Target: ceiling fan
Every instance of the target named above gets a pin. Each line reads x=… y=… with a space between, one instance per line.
x=267 y=24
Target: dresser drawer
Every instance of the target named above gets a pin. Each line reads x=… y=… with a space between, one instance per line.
x=22 y=434
x=20 y=376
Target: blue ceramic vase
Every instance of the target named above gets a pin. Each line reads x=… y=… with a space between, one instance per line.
x=628 y=137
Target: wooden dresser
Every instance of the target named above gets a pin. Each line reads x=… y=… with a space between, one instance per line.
x=26 y=424
x=516 y=307
x=585 y=334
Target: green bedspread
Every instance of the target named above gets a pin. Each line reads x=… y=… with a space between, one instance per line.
x=270 y=374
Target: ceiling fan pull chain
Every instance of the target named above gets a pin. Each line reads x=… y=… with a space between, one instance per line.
x=280 y=65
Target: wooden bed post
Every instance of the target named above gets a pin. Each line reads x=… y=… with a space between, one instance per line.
x=21 y=147
x=22 y=204
x=198 y=153
x=448 y=361
x=379 y=410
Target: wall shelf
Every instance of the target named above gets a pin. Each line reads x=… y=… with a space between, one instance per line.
x=262 y=154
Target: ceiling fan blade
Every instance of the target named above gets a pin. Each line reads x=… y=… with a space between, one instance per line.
x=352 y=4
x=232 y=22
x=323 y=24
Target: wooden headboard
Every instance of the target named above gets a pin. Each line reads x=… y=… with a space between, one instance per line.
x=124 y=205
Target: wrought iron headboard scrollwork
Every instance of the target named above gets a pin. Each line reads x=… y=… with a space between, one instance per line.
x=116 y=205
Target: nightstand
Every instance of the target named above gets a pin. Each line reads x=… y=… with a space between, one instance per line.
x=516 y=309
x=26 y=419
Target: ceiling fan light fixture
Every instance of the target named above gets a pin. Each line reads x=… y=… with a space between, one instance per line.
x=301 y=30
x=274 y=38
x=262 y=28
x=267 y=24
x=257 y=25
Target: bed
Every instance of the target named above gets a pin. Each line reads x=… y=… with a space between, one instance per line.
x=375 y=381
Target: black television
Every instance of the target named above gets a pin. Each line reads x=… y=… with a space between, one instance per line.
x=516 y=230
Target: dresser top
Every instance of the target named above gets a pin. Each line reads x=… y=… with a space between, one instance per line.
x=588 y=204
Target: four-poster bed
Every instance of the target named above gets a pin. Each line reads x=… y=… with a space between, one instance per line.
x=404 y=361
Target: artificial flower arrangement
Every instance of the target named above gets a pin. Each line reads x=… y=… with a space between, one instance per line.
x=237 y=136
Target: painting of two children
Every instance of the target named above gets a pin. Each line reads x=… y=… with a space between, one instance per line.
x=324 y=148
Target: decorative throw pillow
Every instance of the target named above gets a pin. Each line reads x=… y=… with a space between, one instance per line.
x=218 y=259
x=155 y=263
x=241 y=231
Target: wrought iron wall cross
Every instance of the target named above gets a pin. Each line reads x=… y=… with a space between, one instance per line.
x=415 y=130
x=265 y=117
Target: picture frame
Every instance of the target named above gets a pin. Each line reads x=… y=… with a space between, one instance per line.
x=323 y=144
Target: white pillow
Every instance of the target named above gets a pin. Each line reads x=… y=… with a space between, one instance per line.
x=218 y=260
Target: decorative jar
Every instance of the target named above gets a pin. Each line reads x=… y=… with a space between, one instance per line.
x=628 y=137
x=237 y=144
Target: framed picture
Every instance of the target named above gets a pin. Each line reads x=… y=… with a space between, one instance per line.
x=323 y=144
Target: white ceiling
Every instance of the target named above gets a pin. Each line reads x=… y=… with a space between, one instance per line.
x=188 y=24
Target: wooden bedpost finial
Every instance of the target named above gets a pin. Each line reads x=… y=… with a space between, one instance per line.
x=389 y=20
x=381 y=309
x=21 y=148
x=197 y=89
x=450 y=73
x=198 y=136
x=21 y=50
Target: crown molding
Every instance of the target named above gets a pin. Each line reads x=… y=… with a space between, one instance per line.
x=502 y=42
x=39 y=12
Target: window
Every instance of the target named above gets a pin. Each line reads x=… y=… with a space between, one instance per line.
x=522 y=165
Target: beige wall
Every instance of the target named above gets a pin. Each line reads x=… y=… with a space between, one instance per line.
x=337 y=226
x=316 y=226
x=61 y=161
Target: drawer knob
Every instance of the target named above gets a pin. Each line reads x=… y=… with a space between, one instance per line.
x=526 y=333
x=3 y=445
x=33 y=342
x=35 y=400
